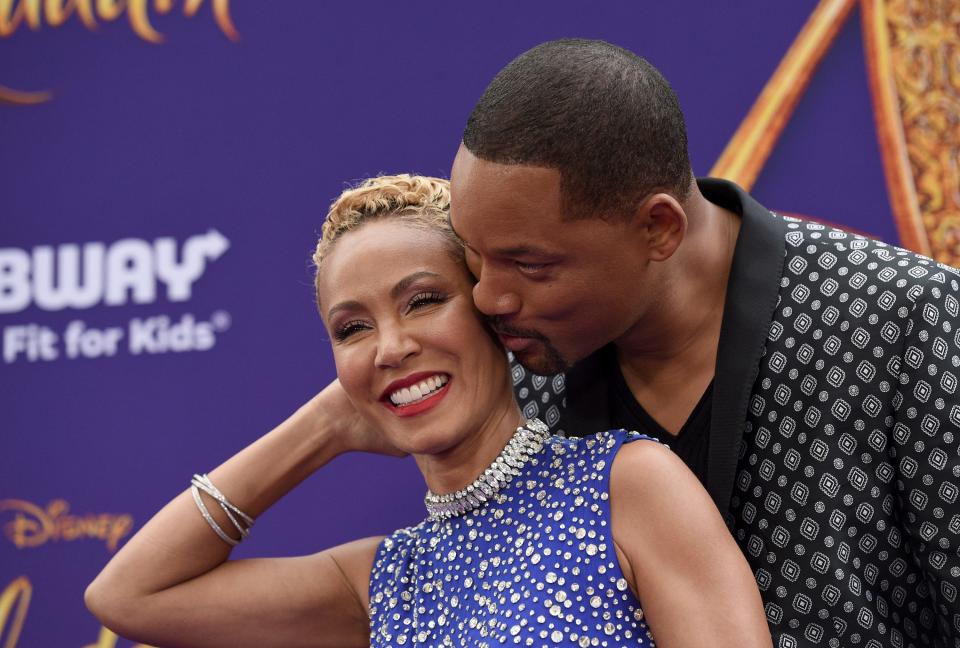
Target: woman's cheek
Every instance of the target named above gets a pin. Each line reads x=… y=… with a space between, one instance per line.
x=457 y=321
x=353 y=376
x=439 y=330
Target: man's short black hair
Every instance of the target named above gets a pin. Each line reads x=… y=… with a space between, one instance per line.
x=602 y=116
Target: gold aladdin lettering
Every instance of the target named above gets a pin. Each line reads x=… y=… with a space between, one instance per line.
x=14 y=604
x=54 y=13
x=33 y=526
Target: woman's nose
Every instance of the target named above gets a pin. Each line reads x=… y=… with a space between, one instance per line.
x=394 y=346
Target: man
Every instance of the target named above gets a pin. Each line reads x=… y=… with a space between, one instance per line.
x=807 y=376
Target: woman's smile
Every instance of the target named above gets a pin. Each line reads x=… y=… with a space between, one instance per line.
x=417 y=393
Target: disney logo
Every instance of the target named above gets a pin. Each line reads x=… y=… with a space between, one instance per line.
x=33 y=526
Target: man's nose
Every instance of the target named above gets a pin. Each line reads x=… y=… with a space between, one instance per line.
x=394 y=346
x=492 y=297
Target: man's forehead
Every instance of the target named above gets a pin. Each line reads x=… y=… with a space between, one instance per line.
x=517 y=241
x=505 y=207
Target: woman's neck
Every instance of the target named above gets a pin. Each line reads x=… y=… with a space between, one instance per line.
x=460 y=465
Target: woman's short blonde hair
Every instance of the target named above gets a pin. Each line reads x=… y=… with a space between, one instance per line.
x=419 y=201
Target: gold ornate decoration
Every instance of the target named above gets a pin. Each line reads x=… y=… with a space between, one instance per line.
x=913 y=65
x=913 y=57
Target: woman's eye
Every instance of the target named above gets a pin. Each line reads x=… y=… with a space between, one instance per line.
x=346 y=330
x=426 y=298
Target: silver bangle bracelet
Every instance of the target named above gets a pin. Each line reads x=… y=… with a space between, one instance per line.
x=202 y=482
x=206 y=516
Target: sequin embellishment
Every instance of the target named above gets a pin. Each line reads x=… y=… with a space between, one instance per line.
x=532 y=566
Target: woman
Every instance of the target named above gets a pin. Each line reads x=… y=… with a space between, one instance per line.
x=555 y=543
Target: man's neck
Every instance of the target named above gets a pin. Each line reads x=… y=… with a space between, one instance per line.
x=668 y=359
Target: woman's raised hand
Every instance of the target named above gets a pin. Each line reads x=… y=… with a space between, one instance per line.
x=172 y=583
x=350 y=431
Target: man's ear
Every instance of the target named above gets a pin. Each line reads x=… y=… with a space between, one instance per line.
x=665 y=222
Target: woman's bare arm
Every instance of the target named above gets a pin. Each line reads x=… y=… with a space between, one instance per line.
x=693 y=582
x=172 y=584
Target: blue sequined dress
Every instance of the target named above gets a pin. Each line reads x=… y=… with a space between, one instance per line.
x=534 y=566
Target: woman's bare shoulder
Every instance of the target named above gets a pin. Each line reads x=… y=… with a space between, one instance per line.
x=648 y=481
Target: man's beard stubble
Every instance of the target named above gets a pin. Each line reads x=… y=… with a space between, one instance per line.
x=549 y=363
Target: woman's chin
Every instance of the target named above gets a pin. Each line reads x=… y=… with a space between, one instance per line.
x=430 y=440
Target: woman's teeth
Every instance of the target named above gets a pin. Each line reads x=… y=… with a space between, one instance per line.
x=418 y=392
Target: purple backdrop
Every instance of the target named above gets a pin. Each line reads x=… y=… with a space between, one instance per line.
x=150 y=150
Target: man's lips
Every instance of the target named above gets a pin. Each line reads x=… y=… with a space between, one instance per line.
x=513 y=337
x=516 y=343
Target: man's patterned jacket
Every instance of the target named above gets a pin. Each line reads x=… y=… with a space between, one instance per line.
x=834 y=433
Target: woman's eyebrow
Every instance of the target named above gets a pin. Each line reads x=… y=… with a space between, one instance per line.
x=398 y=288
x=344 y=305
x=405 y=283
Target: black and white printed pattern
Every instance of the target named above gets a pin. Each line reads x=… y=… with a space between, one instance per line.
x=845 y=500
x=539 y=397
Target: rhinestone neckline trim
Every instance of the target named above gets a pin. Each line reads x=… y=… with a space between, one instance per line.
x=527 y=441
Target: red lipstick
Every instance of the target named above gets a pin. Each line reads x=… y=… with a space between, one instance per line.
x=419 y=406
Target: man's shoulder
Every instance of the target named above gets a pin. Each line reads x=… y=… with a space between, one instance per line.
x=839 y=260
